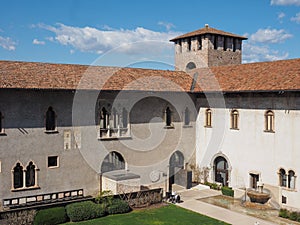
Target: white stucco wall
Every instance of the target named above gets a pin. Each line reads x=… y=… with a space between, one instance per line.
x=250 y=148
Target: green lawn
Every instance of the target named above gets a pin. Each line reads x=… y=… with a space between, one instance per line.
x=167 y=215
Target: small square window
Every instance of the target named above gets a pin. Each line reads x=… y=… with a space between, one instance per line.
x=53 y=161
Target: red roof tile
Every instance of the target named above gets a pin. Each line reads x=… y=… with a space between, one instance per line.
x=208 y=30
x=263 y=76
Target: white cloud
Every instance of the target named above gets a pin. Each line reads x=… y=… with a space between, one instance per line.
x=261 y=53
x=270 y=36
x=89 y=39
x=37 y=42
x=296 y=18
x=167 y=25
x=285 y=2
x=7 y=43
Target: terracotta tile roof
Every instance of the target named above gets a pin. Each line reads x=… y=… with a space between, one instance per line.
x=263 y=76
x=208 y=30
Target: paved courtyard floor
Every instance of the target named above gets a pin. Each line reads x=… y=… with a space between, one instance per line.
x=191 y=199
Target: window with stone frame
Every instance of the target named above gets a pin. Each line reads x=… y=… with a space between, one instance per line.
x=269 y=121
x=282 y=178
x=30 y=175
x=24 y=177
x=50 y=119
x=291 y=179
x=208 y=118
x=18 y=176
x=234 y=119
x=52 y=161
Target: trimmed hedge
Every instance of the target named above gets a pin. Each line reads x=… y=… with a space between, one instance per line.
x=227 y=191
x=292 y=215
x=51 y=216
x=213 y=186
x=84 y=211
x=118 y=206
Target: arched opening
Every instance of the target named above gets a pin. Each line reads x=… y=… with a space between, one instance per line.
x=18 y=176
x=113 y=161
x=187 y=116
x=190 y=66
x=176 y=164
x=50 y=119
x=30 y=175
x=168 y=117
x=282 y=178
x=221 y=170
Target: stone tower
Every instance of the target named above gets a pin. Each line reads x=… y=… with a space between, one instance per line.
x=207 y=47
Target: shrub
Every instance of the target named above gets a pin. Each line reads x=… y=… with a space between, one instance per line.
x=118 y=206
x=84 y=211
x=283 y=213
x=51 y=216
x=227 y=191
x=213 y=185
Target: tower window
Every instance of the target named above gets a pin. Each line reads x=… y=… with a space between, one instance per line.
x=50 y=119
x=199 y=39
x=189 y=44
x=291 y=179
x=180 y=46
x=208 y=118
x=234 y=44
x=216 y=42
x=269 y=121
x=225 y=44
x=104 y=118
x=234 y=119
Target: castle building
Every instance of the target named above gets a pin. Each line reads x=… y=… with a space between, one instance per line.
x=75 y=130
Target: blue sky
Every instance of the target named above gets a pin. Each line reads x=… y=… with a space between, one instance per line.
x=132 y=33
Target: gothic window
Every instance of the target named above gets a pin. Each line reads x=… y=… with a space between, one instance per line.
x=18 y=178
x=208 y=118
x=168 y=117
x=30 y=175
x=186 y=116
x=282 y=178
x=234 y=119
x=291 y=179
x=125 y=118
x=269 y=121
x=50 y=119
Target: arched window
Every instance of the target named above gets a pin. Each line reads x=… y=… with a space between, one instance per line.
x=50 y=119
x=18 y=178
x=291 y=179
x=189 y=44
x=234 y=116
x=104 y=118
x=190 y=66
x=186 y=116
x=30 y=175
x=221 y=170
x=269 y=121
x=282 y=178
x=125 y=118
x=113 y=161
x=168 y=117
x=208 y=118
